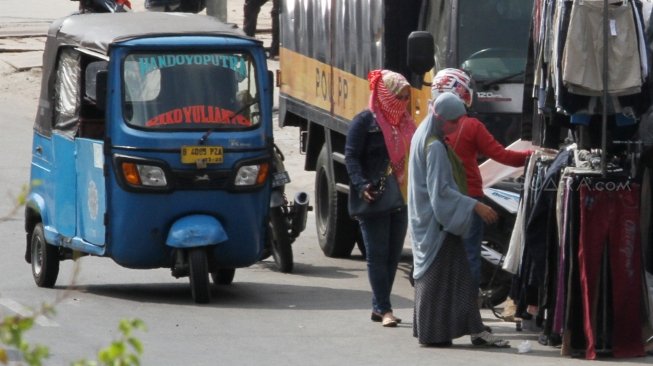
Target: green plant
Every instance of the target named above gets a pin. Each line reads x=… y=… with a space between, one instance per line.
x=125 y=351
x=12 y=334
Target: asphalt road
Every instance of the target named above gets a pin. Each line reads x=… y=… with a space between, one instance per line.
x=319 y=315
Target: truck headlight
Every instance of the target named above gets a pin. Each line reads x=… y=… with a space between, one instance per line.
x=251 y=175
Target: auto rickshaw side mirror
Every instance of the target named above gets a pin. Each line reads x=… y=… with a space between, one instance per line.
x=101 y=89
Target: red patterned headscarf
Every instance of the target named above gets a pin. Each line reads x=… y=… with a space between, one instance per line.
x=393 y=118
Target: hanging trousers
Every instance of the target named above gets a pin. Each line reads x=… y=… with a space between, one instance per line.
x=609 y=220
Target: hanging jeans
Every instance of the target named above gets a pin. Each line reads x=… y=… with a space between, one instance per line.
x=609 y=220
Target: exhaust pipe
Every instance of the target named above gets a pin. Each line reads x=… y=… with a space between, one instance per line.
x=300 y=210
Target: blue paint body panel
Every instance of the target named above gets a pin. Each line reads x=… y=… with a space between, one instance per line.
x=91 y=196
x=78 y=192
x=196 y=231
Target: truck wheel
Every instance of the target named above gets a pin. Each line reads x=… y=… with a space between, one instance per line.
x=199 y=275
x=335 y=230
x=281 y=242
x=223 y=276
x=45 y=259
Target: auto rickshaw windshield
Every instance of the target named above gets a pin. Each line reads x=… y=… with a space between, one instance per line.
x=190 y=91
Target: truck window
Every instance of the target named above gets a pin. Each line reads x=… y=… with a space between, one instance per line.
x=190 y=91
x=493 y=37
x=489 y=38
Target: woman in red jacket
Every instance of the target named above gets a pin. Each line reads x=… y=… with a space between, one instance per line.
x=470 y=140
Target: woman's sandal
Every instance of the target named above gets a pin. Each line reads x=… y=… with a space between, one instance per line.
x=389 y=320
x=376 y=317
x=489 y=340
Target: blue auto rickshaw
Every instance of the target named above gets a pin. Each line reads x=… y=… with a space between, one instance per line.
x=152 y=146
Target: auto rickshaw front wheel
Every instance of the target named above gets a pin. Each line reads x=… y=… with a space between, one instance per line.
x=199 y=275
x=45 y=259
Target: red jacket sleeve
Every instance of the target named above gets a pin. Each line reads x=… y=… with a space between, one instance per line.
x=491 y=148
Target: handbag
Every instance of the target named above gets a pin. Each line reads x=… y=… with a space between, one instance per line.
x=389 y=198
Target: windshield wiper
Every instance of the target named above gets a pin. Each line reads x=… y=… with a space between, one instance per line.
x=486 y=84
x=204 y=137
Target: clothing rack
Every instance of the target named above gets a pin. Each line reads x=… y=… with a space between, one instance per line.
x=604 y=119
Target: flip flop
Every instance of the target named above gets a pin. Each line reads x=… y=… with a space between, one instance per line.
x=486 y=339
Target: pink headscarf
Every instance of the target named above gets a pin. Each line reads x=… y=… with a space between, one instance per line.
x=393 y=118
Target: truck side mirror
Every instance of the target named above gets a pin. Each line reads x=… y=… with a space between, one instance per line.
x=101 y=89
x=420 y=52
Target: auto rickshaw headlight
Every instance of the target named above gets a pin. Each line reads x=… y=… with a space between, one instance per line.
x=144 y=175
x=152 y=176
x=251 y=175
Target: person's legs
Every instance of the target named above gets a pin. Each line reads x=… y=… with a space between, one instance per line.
x=398 y=229
x=274 y=13
x=472 y=241
x=250 y=15
x=376 y=232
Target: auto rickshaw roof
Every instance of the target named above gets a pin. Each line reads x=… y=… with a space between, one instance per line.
x=98 y=31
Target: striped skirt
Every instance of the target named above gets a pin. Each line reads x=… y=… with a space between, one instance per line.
x=445 y=298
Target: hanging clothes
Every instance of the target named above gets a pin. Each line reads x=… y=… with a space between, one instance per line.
x=582 y=61
x=621 y=239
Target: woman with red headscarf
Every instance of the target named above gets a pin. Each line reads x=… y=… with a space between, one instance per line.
x=376 y=150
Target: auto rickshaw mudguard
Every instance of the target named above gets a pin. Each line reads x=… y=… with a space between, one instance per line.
x=35 y=211
x=196 y=231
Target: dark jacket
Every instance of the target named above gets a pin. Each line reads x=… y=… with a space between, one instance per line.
x=366 y=155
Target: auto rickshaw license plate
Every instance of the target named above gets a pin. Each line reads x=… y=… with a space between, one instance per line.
x=207 y=154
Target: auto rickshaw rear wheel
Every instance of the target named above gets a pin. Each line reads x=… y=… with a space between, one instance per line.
x=45 y=259
x=223 y=276
x=199 y=275
x=281 y=242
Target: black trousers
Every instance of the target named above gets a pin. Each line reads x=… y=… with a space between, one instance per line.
x=251 y=10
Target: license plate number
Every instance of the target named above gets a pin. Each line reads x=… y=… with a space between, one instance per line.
x=207 y=154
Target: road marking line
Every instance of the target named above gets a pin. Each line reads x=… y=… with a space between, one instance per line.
x=22 y=310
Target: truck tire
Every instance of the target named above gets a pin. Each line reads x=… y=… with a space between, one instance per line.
x=335 y=229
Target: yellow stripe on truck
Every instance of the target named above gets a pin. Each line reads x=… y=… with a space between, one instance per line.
x=310 y=81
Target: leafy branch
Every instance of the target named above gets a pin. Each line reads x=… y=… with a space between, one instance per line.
x=125 y=351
